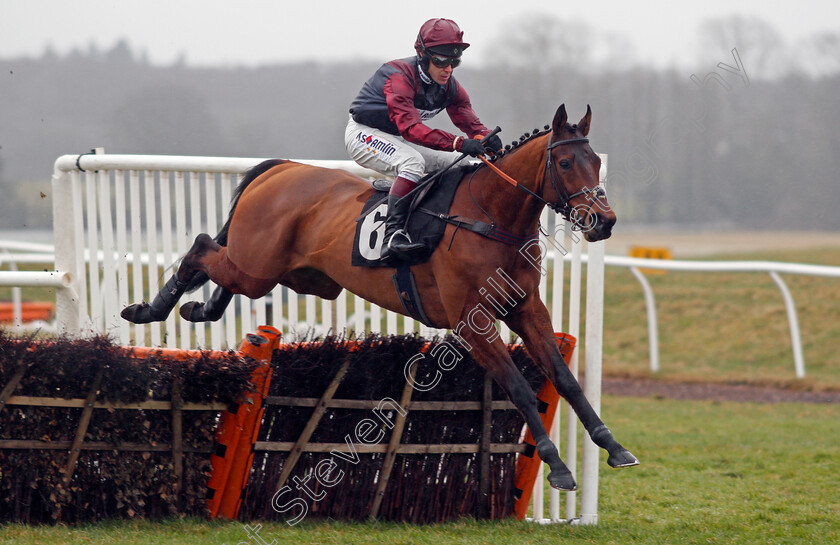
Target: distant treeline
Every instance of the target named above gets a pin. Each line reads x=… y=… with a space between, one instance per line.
x=714 y=147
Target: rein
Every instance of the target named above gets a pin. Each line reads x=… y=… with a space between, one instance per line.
x=563 y=207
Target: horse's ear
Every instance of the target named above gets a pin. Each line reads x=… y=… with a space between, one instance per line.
x=583 y=125
x=560 y=119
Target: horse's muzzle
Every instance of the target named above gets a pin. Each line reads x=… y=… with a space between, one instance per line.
x=601 y=227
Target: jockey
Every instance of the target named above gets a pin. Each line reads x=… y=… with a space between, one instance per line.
x=386 y=132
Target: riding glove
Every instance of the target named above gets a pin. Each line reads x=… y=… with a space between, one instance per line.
x=472 y=147
x=494 y=143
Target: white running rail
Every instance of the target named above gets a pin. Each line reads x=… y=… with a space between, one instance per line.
x=112 y=212
x=773 y=268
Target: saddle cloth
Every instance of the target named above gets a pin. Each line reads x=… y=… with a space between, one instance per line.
x=422 y=227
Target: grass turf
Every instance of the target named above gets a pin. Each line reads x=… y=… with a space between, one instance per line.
x=726 y=327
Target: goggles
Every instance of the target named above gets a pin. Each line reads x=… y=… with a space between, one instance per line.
x=442 y=62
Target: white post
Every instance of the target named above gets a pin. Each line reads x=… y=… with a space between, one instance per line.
x=228 y=182
x=375 y=319
x=558 y=285
x=17 y=303
x=391 y=323
x=210 y=185
x=653 y=328
x=312 y=315
x=574 y=331
x=113 y=324
x=194 y=230
x=121 y=238
x=593 y=358
x=67 y=309
x=793 y=324
x=137 y=250
x=151 y=247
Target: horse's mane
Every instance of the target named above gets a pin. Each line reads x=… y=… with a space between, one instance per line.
x=527 y=137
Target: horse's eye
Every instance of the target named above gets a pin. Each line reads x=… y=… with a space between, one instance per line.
x=565 y=164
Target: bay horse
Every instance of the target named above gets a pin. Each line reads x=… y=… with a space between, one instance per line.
x=293 y=224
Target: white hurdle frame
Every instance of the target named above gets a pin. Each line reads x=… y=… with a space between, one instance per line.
x=104 y=206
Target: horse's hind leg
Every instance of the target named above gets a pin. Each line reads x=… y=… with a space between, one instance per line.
x=166 y=299
x=210 y=310
x=161 y=305
x=210 y=260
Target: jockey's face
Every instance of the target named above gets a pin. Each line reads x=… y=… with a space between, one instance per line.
x=440 y=75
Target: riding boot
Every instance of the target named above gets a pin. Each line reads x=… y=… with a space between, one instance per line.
x=397 y=246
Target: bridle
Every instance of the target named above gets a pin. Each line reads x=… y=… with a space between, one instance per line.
x=563 y=206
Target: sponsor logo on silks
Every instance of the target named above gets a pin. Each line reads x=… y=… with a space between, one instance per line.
x=376 y=144
x=428 y=114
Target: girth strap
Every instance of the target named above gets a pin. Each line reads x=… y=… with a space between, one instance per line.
x=484 y=229
x=408 y=294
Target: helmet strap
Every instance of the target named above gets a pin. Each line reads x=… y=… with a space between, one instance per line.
x=423 y=68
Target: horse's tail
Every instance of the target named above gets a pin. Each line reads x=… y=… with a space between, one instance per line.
x=252 y=174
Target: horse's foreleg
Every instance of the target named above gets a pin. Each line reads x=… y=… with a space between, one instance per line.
x=495 y=358
x=532 y=322
x=166 y=299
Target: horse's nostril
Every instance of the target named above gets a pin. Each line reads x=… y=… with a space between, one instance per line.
x=606 y=221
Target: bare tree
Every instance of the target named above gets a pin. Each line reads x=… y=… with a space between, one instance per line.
x=543 y=42
x=759 y=44
x=818 y=55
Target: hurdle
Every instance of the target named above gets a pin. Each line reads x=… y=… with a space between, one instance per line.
x=239 y=437
x=121 y=221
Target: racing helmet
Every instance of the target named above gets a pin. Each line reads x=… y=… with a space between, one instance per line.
x=440 y=37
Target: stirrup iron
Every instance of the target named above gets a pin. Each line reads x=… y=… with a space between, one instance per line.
x=399 y=232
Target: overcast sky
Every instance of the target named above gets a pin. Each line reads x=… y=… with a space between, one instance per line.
x=253 y=32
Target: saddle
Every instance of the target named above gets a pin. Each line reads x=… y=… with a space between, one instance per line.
x=426 y=223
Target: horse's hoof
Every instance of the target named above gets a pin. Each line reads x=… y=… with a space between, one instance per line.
x=562 y=480
x=139 y=313
x=622 y=458
x=191 y=311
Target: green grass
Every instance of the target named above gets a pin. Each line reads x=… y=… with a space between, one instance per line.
x=733 y=473
x=727 y=327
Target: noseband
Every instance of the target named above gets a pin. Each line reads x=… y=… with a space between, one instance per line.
x=563 y=205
